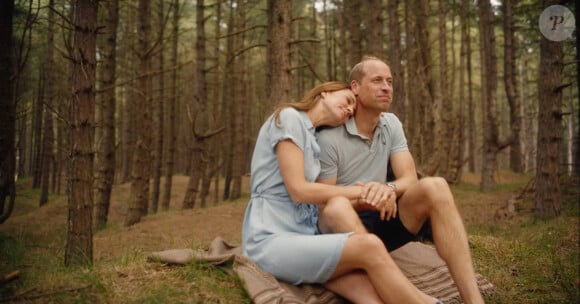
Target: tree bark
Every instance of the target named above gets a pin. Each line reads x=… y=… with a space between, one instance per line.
x=199 y=113
x=510 y=82
x=227 y=111
x=278 y=53
x=577 y=134
x=105 y=162
x=79 y=245
x=547 y=195
x=158 y=114
x=170 y=156
x=7 y=112
x=491 y=142
x=48 y=97
x=395 y=49
x=139 y=196
x=374 y=28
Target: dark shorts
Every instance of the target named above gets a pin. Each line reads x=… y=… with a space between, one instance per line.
x=392 y=232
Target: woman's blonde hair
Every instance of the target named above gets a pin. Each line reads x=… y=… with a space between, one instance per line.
x=311 y=98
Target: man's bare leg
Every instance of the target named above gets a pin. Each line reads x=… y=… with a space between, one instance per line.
x=431 y=198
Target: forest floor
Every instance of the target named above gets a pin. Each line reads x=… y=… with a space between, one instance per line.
x=527 y=260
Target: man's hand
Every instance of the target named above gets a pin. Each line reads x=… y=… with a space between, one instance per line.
x=380 y=197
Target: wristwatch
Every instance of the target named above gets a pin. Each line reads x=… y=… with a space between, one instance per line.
x=392 y=185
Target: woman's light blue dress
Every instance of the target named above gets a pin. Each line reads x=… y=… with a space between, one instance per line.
x=279 y=235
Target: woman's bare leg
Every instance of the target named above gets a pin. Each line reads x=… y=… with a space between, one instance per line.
x=356 y=287
x=366 y=252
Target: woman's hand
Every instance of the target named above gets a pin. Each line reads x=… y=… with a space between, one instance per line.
x=379 y=197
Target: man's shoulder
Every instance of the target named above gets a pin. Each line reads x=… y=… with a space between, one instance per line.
x=330 y=131
x=388 y=116
x=390 y=120
x=330 y=135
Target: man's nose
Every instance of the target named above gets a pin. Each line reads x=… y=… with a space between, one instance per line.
x=387 y=86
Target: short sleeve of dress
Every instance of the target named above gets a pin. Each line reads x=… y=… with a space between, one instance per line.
x=291 y=127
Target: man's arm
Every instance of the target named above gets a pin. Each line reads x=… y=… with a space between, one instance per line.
x=404 y=170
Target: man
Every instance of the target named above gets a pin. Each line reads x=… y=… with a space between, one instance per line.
x=361 y=150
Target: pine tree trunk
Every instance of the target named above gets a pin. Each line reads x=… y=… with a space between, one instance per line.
x=158 y=113
x=511 y=86
x=49 y=92
x=141 y=172
x=353 y=21
x=227 y=111
x=489 y=85
x=374 y=31
x=278 y=54
x=199 y=123
x=7 y=112
x=547 y=195
x=170 y=156
x=398 y=106
x=105 y=163
x=79 y=245
x=240 y=111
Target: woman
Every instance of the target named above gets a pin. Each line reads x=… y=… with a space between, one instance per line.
x=280 y=232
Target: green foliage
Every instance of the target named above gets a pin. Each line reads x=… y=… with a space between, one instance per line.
x=529 y=260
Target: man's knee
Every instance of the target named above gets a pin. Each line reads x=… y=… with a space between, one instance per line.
x=433 y=184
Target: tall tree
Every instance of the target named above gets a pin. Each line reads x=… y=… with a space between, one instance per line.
x=374 y=27
x=158 y=111
x=466 y=39
x=395 y=60
x=172 y=101
x=428 y=123
x=278 y=53
x=7 y=112
x=139 y=197
x=352 y=10
x=105 y=157
x=226 y=104
x=47 y=98
x=577 y=135
x=79 y=245
x=198 y=113
x=510 y=84
x=547 y=194
x=491 y=142
x=239 y=108
x=448 y=121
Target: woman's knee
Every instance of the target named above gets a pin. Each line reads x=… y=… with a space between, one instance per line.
x=371 y=249
x=337 y=208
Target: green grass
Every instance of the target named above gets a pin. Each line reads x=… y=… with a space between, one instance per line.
x=527 y=260
x=530 y=260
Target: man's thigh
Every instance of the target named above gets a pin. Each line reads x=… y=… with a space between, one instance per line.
x=392 y=232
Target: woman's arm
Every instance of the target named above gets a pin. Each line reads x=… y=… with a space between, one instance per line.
x=291 y=162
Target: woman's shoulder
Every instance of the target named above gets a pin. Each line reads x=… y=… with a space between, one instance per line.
x=290 y=112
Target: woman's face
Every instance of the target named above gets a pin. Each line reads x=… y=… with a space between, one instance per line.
x=341 y=104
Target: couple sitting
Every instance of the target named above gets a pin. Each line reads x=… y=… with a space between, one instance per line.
x=318 y=192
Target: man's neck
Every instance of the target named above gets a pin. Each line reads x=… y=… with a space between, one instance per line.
x=366 y=123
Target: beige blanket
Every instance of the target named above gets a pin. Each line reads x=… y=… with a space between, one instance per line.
x=420 y=263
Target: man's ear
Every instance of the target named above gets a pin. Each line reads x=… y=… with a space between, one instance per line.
x=354 y=87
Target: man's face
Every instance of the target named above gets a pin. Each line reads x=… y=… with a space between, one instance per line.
x=375 y=90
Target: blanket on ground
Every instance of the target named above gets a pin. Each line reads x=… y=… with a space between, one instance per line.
x=419 y=262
